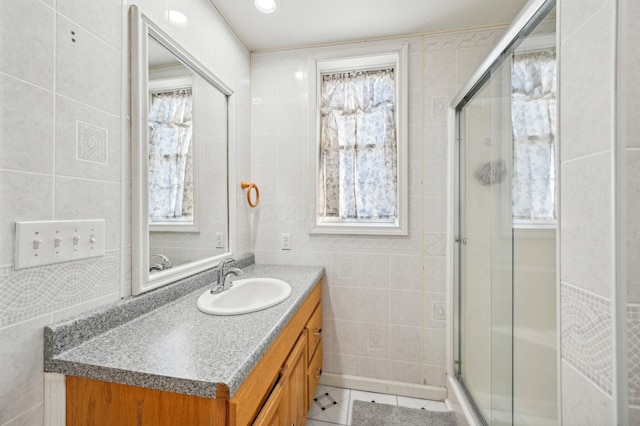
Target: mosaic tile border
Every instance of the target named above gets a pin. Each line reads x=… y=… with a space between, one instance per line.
x=29 y=293
x=633 y=339
x=586 y=326
x=462 y=39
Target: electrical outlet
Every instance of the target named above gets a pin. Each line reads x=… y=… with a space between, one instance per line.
x=219 y=240
x=286 y=241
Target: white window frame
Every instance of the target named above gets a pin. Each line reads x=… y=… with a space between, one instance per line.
x=395 y=56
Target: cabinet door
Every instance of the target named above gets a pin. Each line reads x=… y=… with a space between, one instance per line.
x=295 y=384
x=314 y=372
x=273 y=411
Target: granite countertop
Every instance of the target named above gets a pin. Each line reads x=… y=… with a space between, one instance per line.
x=175 y=347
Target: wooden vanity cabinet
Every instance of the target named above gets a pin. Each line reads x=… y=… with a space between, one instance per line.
x=277 y=392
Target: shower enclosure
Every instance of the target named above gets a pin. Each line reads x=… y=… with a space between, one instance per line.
x=505 y=282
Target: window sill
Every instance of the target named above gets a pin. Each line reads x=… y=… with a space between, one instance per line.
x=359 y=229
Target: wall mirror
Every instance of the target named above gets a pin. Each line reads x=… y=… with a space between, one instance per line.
x=180 y=119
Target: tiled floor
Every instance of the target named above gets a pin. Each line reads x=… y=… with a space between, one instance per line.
x=332 y=406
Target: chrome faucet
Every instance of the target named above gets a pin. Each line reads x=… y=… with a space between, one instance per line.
x=166 y=263
x=223 y=276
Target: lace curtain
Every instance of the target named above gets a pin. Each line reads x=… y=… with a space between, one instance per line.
x=533 y=113
x=358 y=146
x=170 y=156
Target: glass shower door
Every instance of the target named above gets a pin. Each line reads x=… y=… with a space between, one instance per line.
x=485 y=347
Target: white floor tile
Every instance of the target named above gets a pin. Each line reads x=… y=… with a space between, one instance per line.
x=374 y=397
x=333 y=406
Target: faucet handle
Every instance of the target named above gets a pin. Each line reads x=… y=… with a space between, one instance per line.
x=223 y=264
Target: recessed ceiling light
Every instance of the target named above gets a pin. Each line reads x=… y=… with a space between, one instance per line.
x=265 y=6
x=178 y=18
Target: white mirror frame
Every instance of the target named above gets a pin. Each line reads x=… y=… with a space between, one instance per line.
x=141 y=27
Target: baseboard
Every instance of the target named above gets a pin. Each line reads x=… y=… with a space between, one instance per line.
x=54 y=400
x=435 y=393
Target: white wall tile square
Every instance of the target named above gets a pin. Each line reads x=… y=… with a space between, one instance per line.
x=102 y=17
x=586 y=217
x=586 y=404
x=576 y=13
x=407 y=372
x=97 y=203
x=21 y=372
x=27 y=26
x=374 y=368
x=405 y=308
x=593 y=106
x=374 y=305
x=405 y=343
x=435 y=347
x=69 y=161
x=343 y=303
x=374 y=270
x=440 y=69
x=87 y=68
x=26 y=127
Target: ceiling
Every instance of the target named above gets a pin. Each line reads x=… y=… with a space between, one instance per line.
x=299 y=23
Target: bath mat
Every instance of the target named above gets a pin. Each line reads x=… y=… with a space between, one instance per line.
x=375 y=414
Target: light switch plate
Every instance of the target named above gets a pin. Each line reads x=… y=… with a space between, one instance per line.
x=47 y=242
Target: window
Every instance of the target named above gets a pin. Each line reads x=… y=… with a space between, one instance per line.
x=361 y=140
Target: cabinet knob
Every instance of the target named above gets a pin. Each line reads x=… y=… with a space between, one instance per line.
x=317 y=333
x=319 y=373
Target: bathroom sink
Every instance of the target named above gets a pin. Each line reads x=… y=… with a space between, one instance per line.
x=246 y=295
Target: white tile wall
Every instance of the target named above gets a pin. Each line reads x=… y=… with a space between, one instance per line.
x=629 y=92
x=74 y=72
x=387 y=293
x=587 y=32
x=27 y=26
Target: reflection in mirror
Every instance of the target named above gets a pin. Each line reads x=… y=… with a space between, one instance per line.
x=187 y=147
x=180 y=137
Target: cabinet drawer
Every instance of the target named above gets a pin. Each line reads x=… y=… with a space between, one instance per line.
x=314 y=330
x=314 y=372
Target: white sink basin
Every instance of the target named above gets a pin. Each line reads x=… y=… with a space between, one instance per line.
x=246 y=295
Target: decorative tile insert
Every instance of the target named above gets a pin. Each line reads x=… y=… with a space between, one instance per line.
x=29 y=293
x=92 y=143
x=633 y=336
x=439 y=105
x=375 y=340
x=344 y=269
x=439 y=311
x=462 y=39
x=586 y=330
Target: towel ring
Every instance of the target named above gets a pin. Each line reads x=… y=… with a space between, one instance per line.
x=251 y=186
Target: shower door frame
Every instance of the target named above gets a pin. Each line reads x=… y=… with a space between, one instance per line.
x=530 y=16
